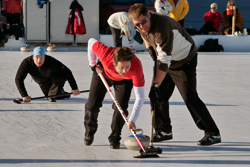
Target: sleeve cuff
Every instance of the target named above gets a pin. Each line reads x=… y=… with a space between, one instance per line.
x=163 y=67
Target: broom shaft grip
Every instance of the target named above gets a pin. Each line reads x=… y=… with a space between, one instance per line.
x=42 y=97
x=99 y=72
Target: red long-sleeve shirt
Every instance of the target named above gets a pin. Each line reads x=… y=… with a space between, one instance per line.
x=105 y=55
x=214 y=17
x=12 y=6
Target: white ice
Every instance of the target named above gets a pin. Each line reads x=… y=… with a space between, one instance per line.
x=44 y=134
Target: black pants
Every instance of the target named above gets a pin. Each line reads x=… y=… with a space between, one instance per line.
x=181 y=22
x=13 y=18
x=184 y=78
x=52 y=85
x=117 y=36
x=207 y=27
x=96 y=95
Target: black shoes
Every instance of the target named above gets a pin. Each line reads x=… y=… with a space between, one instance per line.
x=115 y=145
x=160 y=135
x=88 y=140
x=62 y=92
x=52 y=99
x=209 y=139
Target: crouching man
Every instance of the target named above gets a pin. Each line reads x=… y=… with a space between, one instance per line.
x=49 y=73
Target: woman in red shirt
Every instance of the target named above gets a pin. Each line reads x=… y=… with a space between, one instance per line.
x=212 y=19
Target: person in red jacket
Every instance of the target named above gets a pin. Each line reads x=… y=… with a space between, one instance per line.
x=122 y=70
x=12 y=9
x=212 y=19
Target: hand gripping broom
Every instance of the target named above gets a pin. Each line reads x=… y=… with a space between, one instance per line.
x=151 y=147
x=144 y=153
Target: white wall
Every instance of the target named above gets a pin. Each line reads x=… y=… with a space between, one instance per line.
x=59 y=15
x=230 y=43
x=91 y=19
x=35 y=19
x=59 y=12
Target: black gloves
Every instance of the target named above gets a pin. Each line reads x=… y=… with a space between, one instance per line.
x=154 y=93
x=151 y=51
x=93 y=68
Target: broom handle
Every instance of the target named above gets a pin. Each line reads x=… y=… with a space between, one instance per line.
x=233 y=19
x=42 y=97
x=99 y=72
x=152 y=125
x=153 y=109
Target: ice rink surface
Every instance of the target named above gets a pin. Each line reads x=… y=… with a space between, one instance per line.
x=44 y=134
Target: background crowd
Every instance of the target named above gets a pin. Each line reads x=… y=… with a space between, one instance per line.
x=215 y=22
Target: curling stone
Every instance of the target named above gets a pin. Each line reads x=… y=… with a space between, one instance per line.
x=51 y=48
x=132 y=144
x=25 y=48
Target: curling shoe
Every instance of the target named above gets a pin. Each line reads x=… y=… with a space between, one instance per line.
x=115 y=145
x=160 y=135
x=52 y=99
x=88 y=140
x=209 y=139
x=61 y=92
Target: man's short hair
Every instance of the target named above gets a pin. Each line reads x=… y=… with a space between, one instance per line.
x=136 y=10
x=122 y=54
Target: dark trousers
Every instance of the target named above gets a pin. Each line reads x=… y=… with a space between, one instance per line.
x=97 y=93
x=13 y=18
x=53 y=85
x=117 y=36
x=207 y=27
x=181 y=22
x=184 y=78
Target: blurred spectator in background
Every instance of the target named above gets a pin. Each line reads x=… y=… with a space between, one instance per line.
x=163 y=7
x=227 y=20
x=119 y=22
x=12 y=10
x=4 y=36
x=179 y=11
x=212 y=19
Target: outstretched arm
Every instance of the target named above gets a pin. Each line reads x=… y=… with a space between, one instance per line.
x=139 y=100
x=21 y=74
